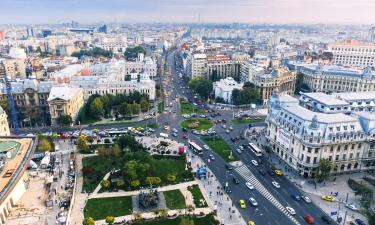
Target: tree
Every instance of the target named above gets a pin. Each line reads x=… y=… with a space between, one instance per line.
x=33 y=113
x=4 y=104
x=324 y=169
x=171 y=178
x=102 y=152
x=124 y=110
x=105 y=183
x=116 y=151
x=249 y=94
x=153 y=180
x=135 y=183
x=82 y=144
x=120 y=183
x=96 y=108
x=201 y=86
x=89 y=221
x=44 y=145
x=130 y=170
x=370 y=214
x=110 y=220
x=90 y=139
x=64 y=120
x=144 y=105
x=132 y=53
x=136 y=109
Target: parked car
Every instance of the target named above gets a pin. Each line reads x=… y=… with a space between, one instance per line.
x=306 y=199
x=309 y=219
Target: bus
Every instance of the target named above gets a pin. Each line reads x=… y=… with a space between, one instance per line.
x=255 y=149
x=196 y=148
x=117 y=133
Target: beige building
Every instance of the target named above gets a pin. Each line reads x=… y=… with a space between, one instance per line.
x=64 y=100
x=223 y=65
x=281 y=79
x=13 y=68
x=4 y=125
x=197 y=66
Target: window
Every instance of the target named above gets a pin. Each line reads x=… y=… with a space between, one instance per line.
x=315 y=159
x=346 y=147
x=338 y=128
x=344 y=157
x=316 y=150
x=308 y=149
x=337 y=157
x=338 y=148
x=308 y=159
x=353 y=145
x=331 y=149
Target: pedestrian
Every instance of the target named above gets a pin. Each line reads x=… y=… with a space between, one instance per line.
x=230 y=216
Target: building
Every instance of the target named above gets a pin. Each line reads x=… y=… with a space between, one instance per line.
x=142 y=65
x=114 y=43
x=223 y=88
x=65 y=49
x=15 y=155
x=331 y=78
x=223 y=66
x=2 y=35
x=281 y=79
x=353 y=53
x=64 y=100
x=4 y=125
x=249 y=71
x=12 y=68
x=196 y=66
x=302 y=137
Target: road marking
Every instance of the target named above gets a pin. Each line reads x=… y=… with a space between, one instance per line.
x=248 y=176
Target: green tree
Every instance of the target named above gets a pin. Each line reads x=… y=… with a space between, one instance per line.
x=5 y=106
x=64 y=120
x=144 y=105
x=44 y=145
x=201 y=86
x=324 y=169
x=89 y=221
x=82 y=144
x=105 y=183
x=132 y=53
x=124 y=109
x=120 y=183
x=130 y=170
x=153 y=180
x=96 y=108
x=370 y=214
x=171 y=178
x=110 y=220
x=90 y=139
x=135 y=183
x=102 y=152
x=136 y=109
x=116 y=151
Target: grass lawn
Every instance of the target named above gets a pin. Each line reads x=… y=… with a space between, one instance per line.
x=153 y=126
x=187 y=108
x=197 y=196
x=219 y=145
x=101 y=167
x=176 y=166
x=88 y=120
x=174 y=199
x=207 y=220
x=204 y=124
x=100 y=208
x=247 y=120
x=161 y=107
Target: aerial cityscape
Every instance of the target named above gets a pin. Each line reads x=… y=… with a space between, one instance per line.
x=175 y=112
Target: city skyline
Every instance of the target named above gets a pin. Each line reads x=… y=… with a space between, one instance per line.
x=206 y=11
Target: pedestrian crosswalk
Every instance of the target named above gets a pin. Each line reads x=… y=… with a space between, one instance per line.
x=248 y=176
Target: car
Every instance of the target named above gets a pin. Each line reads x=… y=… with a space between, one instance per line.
x=212 y=157
x=233 y=139
x=254 y=162
x=185 y=129
x=206 y=147
x=236 y=180
x=296 y=197
x=271 y=173
x=228 y=191
x=306 y=199
x=185 y=136
x=249 y=185
x=309 y=219
x=275 y=184
x=241 y=147
x=290 y=210
x=351 y=206
x=242 y=204
x=224 y=126
x=175 y=130
x=250 y=222
x=227 y=131
x=242 y=137
x=166 y=127
x=278 y=172
x=223 y=120
x=326 y=219
x=262 y=172
x=359 y=222
x=228 y=166
x=239 y=151
x=253 y=202
x=230 y=128
x=328 y=198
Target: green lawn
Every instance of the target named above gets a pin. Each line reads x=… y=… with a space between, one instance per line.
x=101 y=167
x=174 y=199
x=247 y=120
x=203 y=124
x=176 y=166
x=207 y=220
x=161 y=107
x=219 y=145
x=187 y=108
x=197 y=196
x=100 y=208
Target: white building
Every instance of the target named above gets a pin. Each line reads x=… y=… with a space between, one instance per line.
x=223 y=88
x=114 y=43
x=353 y=53
x=249 y=71
x=302 y=137
x=4 y=125
x=146 y=65
x=197 y=66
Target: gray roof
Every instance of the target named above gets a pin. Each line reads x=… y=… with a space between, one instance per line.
x=325 y=99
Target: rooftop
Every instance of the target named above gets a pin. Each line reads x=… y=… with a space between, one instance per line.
x=63 y=92
x=325 y=99
x=354 y=43
x=355 y=96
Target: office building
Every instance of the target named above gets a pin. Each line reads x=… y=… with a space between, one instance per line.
x=223 y=66
x=196 y=65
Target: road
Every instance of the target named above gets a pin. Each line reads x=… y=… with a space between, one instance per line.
x=268 y=211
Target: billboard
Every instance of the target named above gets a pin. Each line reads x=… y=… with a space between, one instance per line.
x=284 y=138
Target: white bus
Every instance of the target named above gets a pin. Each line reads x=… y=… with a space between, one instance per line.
x=196 y=148
x=255 y=149
x=117 y=133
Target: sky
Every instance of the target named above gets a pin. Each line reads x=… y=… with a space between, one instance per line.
x=221 y=11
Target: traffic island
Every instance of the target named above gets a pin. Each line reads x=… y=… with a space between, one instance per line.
x=196 y=124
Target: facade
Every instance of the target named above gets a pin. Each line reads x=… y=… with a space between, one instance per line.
x=223 y=65
x=64 y=100
x=196 y=66
x=12 y=68
x=281 y=79
x=112 y=43
x=249 y=71
x=4 y=125
x=143 y=65
x=302 y=137
x=353 y=53
x=328 y=78
x=223 y=88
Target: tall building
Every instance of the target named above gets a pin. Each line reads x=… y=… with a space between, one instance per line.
x=302 y=137
x=102 y=29
x=353 y=53
x=196 y=66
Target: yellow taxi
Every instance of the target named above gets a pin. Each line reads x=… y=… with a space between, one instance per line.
x=328 y=198
x=278 y=172
x=242 y=204
x=251 y=222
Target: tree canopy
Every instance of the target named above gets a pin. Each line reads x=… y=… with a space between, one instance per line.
x=201 y=86
x=64 y=120
x=132 y=53
x=324 y=169
x=248 y=95
x=95 y=52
